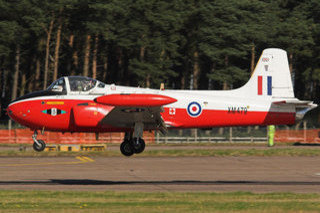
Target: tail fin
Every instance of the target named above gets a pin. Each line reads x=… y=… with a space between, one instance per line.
x=271 y=77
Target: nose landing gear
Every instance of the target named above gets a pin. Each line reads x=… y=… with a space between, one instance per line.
x=38 y=145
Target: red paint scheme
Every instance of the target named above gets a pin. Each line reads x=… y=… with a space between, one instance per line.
x=78 y=118
x=209 y=118
x=135 y=100
x=89 y=115
x=259 y=85
x=86 y=117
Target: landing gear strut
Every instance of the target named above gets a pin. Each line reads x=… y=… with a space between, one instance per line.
x=38 y=145
x=133 y=145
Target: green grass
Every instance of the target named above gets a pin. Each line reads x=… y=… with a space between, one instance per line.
x=66 y=201
x=174 y=153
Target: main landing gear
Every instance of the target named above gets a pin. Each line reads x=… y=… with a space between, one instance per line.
x=133 y=144
x=38 y=145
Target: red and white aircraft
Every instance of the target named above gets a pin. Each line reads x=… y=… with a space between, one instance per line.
x=81 y=104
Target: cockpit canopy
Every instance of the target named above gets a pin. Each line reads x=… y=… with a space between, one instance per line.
x=77 y=84
x=58 y=86
x=81 y=84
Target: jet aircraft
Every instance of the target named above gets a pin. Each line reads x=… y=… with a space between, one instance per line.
x=82 y=104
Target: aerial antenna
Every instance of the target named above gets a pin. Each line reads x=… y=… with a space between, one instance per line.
x=162 y=86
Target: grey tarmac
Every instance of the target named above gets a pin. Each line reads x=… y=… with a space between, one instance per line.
x=195 y=174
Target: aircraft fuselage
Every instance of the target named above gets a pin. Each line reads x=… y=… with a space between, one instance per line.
x=80 y=113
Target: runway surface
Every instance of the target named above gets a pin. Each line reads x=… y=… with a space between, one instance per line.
x=214 y=174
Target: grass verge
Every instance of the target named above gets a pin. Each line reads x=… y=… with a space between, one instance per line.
x=66 y=201
x=174 y=153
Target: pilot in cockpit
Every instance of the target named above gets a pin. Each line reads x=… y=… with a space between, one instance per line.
x=58 y=86
x=81 y=84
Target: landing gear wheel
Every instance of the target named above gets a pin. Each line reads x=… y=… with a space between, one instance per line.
x=39 y=147
x=126 y=148
x=138 y=145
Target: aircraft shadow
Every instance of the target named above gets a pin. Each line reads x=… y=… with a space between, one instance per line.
x=174 y=182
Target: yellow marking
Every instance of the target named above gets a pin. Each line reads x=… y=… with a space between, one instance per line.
x=95 y=113
x=88 y=159
x=92 y=104
x=55 y=102
x=256 y=66
x=82 y=160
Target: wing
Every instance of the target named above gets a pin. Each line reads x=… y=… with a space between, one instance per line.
x=131 y=108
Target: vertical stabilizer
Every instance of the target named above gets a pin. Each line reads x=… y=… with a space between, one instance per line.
x=271 y=77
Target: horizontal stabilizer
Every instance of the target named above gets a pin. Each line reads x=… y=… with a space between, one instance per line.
x=298 y=103
x=135 y=100
x=302 y=107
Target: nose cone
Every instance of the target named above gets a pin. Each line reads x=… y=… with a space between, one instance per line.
x=12 y=111
x=9 y=111
x=17 y=112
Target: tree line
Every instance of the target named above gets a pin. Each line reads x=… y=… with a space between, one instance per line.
x=186 y=44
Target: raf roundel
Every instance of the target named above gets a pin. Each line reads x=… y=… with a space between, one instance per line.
x=194 y=109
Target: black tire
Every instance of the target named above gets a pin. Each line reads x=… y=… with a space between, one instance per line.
x=126 y=148
x=139 y=145
x=40 y=148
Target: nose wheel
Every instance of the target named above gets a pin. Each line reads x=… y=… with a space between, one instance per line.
x=38 y=145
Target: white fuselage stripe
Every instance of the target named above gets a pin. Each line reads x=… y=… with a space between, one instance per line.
x=207 y=102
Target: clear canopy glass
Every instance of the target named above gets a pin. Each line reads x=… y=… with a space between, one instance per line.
x=58 y=86
x=76 y=83
x=81 y=84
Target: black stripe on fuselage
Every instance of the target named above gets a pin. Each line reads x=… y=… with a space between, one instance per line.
x=38 y=94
